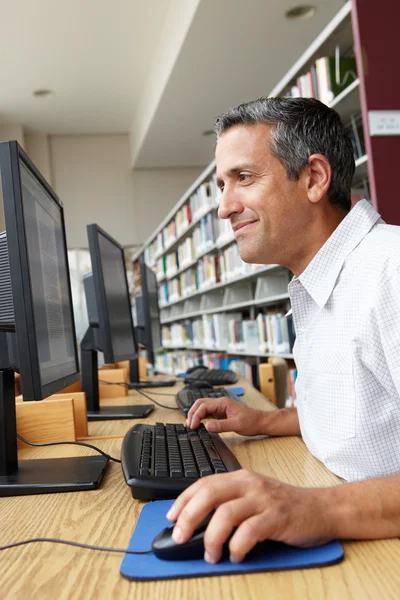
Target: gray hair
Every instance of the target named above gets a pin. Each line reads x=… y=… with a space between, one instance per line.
x=301 y=127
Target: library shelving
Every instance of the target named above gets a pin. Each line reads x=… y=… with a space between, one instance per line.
x=214 y=307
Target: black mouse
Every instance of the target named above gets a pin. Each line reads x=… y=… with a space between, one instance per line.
x=195 y=368
x=165 y=548
x=200 y=385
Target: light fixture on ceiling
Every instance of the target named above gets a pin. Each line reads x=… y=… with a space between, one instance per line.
x=208 y=132
x=301 y=11
x=42 y=93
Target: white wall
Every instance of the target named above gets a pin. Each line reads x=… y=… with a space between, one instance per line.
x=37 y=147
x=12 y=132
x=92 y=176
x=156 y=192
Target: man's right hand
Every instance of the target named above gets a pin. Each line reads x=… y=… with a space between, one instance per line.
x=232 y=415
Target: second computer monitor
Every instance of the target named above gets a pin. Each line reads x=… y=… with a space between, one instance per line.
x=114 y=311
x=148 y=313
x=110 y=323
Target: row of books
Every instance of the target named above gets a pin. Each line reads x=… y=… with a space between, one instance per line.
x=200 y=202
x=176 y=363
x=271 y=332
x=328 y=77
x=231 y=264
x=209 y=270
x=205 y=236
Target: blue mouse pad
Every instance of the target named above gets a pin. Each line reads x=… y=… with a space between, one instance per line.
x=148 y=567
x=238 y=390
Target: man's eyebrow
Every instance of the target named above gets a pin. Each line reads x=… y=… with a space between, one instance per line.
x=233 y=171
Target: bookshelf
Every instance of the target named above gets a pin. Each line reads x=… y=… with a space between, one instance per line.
x=204 y=286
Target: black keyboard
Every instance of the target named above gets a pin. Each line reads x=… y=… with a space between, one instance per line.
x=187 y=396
x=160 y=461
x=212 y=376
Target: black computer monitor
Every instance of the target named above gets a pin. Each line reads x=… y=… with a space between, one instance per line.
x=37 y=327
x=110 y=321
x=148 y=326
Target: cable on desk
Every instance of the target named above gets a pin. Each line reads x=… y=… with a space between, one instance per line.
x=158 y=403
x=70 y=543
x=70 y=443
x=122 y=383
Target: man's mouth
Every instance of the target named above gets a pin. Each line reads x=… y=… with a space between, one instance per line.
x=241 y=227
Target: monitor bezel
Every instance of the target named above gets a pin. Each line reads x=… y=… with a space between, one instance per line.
x=100 y=292
x=25 y=326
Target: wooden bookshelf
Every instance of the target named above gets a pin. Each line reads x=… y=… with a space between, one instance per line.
x=241 y=287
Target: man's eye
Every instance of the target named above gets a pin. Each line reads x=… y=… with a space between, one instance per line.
x=244 y=176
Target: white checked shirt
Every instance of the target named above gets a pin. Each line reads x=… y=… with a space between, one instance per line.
x=346 y=312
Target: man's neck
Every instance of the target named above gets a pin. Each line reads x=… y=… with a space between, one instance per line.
x=319 y=234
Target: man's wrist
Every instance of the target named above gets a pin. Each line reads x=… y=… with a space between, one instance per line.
x=283 y=421
x=339 y=514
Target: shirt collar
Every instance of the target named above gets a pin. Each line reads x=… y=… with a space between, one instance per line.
x=320 y=275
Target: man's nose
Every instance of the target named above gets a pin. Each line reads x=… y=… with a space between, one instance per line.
x=229 y=205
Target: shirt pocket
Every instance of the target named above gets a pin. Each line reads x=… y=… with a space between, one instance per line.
x=330 y=400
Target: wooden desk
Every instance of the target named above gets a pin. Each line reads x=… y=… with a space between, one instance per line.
x=107 y=517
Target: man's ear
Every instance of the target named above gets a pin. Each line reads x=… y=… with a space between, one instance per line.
x=319 y=177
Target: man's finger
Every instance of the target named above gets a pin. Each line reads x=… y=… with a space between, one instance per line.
x=187 y=494
x=215 y=491
x=227 y=517
x=201 y=408
x=254 y=529
x=221 y=426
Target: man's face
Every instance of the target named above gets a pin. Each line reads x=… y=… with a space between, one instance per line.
x=268 y=212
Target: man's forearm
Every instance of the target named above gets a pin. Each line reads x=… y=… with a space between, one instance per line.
x=365 y=509
x=284 y=421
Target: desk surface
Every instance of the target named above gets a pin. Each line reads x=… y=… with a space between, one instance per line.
x=107 y=517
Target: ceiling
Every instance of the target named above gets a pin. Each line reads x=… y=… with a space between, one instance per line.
x=99 y=58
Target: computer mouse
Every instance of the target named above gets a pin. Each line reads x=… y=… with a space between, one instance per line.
x=200 y=385
x=165 y=548
x=191 y=369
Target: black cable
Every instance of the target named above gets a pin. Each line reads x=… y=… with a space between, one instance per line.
x=158 y=403
x=70 y=443
x=157 y=394
x=70 y=543
x=143 y=394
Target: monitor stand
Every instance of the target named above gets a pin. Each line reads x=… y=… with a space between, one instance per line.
x=44 y=476
x=90 y=385
x=136 y=384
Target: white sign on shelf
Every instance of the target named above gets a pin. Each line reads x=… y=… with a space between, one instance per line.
x=384 y=122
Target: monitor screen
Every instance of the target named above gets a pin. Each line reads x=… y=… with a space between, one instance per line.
x=152 y=298
x=49 y=279
x=116 y=315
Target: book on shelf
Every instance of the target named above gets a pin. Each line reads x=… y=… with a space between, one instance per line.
x=202 y=200
x=326 y=79
x=186 y=253
x=183 y=218
x=172 y=263
x=291 y=388
x=356 y=134
x=188 y=281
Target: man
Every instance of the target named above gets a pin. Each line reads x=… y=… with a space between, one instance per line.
x=285 y=167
